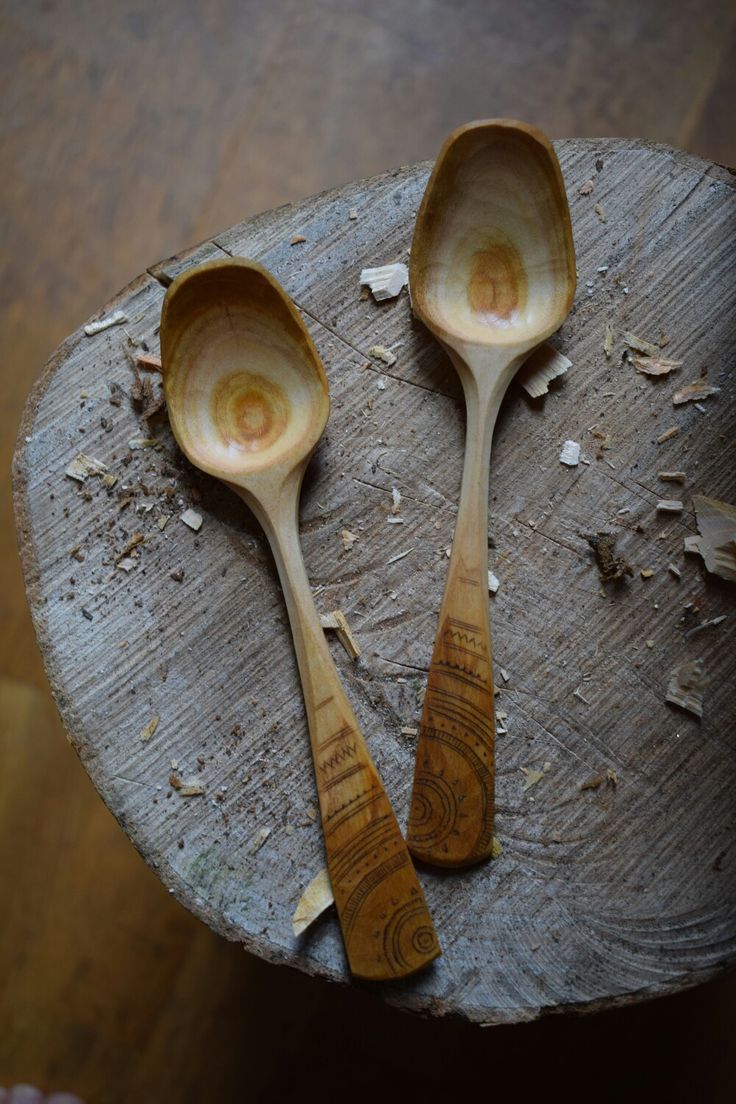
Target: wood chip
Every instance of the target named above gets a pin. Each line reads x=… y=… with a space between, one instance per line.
x=640 y=344
x=315 y=900
x=192 y=519
x=493 y=583
x=691 y=545
x=694 y=392
x=532 y=777
x=136 y=539
x=396 y=500
x=348 y=539
x=687 y=685
x=148 y=362
x=353 y=213
x=655 y=365
x=380 y=352
x=146 y=733
x=192 y=788
x=259 y=839
x=668 y=434
x=297 y=239
x=717 y=542
x=496 y=848
x=600 y=212
x=570 y=454
x=608 y=339
x=407 y=730
x=646 y=572
x=385 y=282
x=669 y=506
x=338 y=621
x=137 y=443
x=674 y=570
x=671 y=476
x=115 y=319
x=108 y=480
x=82 y=466
x=586 y=188
x=545 y=364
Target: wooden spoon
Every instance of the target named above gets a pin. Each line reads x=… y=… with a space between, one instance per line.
x=492 y=274
x=248 y=400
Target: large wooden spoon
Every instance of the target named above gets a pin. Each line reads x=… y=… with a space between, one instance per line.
x=248 y=400
x=492 y=274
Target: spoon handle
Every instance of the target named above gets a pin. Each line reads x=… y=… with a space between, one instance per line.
x=451 y=818
x=386 y=926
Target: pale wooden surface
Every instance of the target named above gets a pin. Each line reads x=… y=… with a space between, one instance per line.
x=637 y=896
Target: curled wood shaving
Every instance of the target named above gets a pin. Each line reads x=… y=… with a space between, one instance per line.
x=338 y=621
x=385 y=282
x=694 y=392
x=686 y=686
x=192 y=519
x=717 y=541
x=570 y=454
x=348 y=539
x=655 y=365
x=380 y=352
x=315 y=899
x=82 y=466
x=115 y=319
x=545 y=364
x=671 y=476
x=146 y=733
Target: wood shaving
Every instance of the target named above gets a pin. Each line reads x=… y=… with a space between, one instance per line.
x=669 y=506
x=611 y=777
x=82 y=466
x=396 y=500
x=710 y=624
x=545 y=364
x=496 y=848
x=315 y=900
x=532 y=777
x=600 y=212
x=655 y=365
x=663 y=340
x=608 y=339
x=716 y=521
x=671 y=476
x=259 y=839
x=668 y=434
x=674 y=570
x=686 y=686
x=148 y=362
x=192 y=788
x=694 y=392
x=570 y=454
x=646 y=572
x=586 y=188
x=493 y=583
x=192 y=519
x=163 y=521
x=136 y=539
x=353 y=213
x=146 y=733
x=406 y=730
x=137 y=443
x=398 y=556
x=348 y=539
x=338 y=621
x=385 y=282
x=611 y=568
x=297 y=239
x=640 y=344
x=691 y=545
x=380 y=352
x=115 y=319
x=108 y=480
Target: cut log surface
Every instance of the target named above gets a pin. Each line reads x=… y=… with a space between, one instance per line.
x=615 y=810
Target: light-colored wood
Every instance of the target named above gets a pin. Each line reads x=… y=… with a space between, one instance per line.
x=248 y=400
x=600 y=896
x=492 y=276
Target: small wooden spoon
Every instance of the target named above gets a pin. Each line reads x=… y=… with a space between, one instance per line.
x=248 y=400
x=492 y=274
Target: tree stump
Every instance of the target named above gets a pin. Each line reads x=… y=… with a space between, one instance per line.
x=617 y=878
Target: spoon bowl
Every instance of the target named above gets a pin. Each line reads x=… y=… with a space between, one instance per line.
x=492 y=275
x=246 y=391
x=248 y=400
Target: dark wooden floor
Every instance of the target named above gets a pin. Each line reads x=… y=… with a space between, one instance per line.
x=129 y=131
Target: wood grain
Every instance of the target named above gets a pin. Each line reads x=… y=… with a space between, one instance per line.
x=600 y=894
